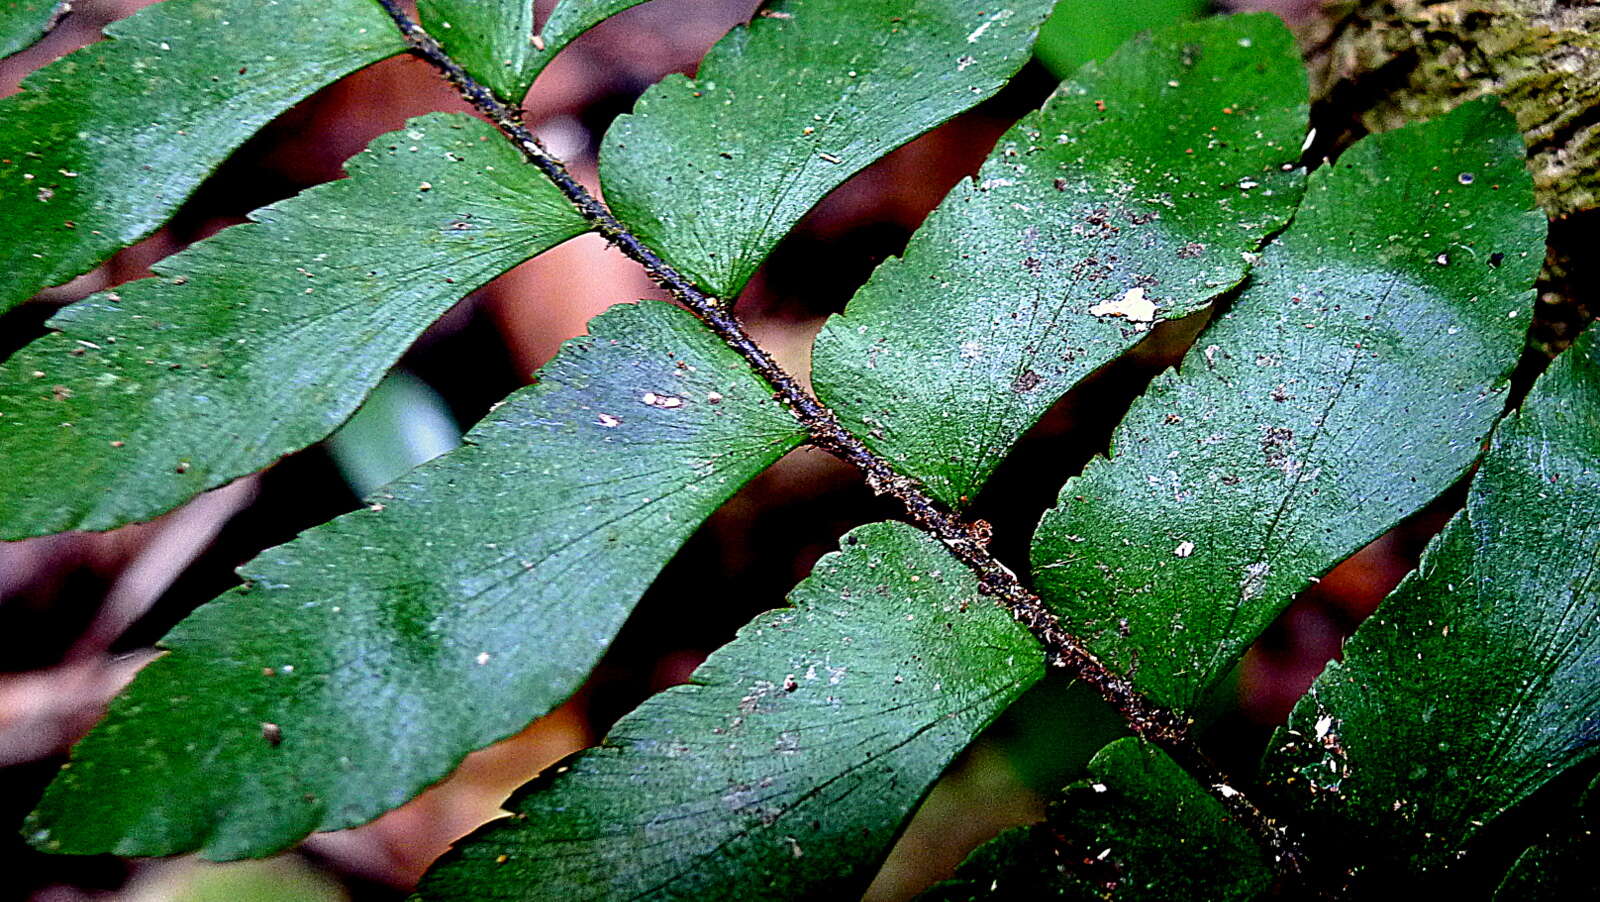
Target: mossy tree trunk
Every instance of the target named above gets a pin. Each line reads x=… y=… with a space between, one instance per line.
x=1377 y=64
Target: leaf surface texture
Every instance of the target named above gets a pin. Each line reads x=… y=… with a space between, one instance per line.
x=23 y=22
x=1139 y=828
x=712 y=172
x=102 y=145
x=1375 y=338
x=491 y=39
x=787 y=764
x=475 y=594
x=495 y=40
x=1130 y=198
x=262 y=339
x=1478 y=679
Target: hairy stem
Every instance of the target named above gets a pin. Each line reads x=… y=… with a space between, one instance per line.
x=1153 y=723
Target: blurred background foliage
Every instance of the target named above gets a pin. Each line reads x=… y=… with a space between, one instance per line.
x=80 y=613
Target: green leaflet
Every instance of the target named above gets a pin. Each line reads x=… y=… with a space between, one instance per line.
x=1084 y=30
x=261 y=340
x=403 y=423
x=22 y=22
x=712 y=172
x=103 y=145
x=475 y=594
x=1374 y=339
x=494 y=39
x=1478 y=679
x=1083 y=227
x=491 y=39
x=786 y=766
x=1140 y=826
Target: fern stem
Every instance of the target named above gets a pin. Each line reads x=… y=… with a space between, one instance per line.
x=967 y=541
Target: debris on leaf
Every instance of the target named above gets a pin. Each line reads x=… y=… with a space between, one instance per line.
x=1133 y=306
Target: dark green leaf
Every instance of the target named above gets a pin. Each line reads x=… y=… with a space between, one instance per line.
x=1350 y=384
x=103 y=145
x=263 y=339
x=494 y=39
x=364 y=659
x=786 y=766
x=713 y=171
x=1139 y=828
x=1560 y=865
x=1084 y=30
x=22 y=22
x=403 y=423
x=1558 y=869
x=491 y=39
x=1478 y=680
x=1086 y=225
x=1021 y=863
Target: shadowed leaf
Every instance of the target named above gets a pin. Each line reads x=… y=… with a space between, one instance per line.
x=1477 y=681
x=491 y=39
x=1560 y=864
x=1139 y=828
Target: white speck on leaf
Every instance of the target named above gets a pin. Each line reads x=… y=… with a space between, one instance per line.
x=1184 y=549
x=1254 y=581
x=1000 y=16
x=1133 y=306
